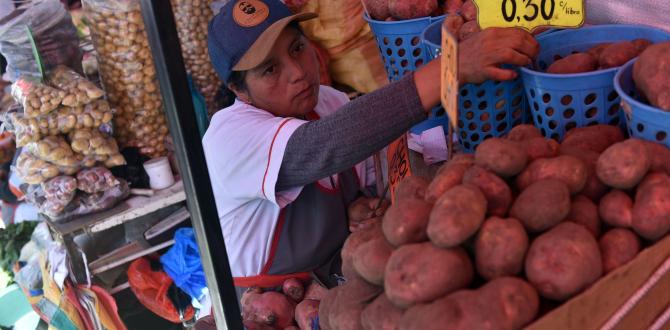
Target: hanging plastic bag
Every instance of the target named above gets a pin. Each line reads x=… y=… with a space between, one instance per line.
x=35 y=97
x=156 y=291
x=54 y=34
x=77 y=90
x=182 y=263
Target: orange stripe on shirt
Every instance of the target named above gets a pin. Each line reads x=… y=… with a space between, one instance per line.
x=267 y=168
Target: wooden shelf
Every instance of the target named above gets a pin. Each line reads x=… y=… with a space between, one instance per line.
x=125 y=254
x=128 y=210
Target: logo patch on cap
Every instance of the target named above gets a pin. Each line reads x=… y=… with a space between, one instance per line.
x=249 y=13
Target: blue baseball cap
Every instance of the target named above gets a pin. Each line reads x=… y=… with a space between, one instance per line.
x=242 y=34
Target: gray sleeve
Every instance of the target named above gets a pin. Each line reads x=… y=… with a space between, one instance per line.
x=357 y=130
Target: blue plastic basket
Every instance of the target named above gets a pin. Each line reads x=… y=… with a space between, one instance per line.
x=403 y=52
x=560 y=102
x=485 y=110
x=644 y=121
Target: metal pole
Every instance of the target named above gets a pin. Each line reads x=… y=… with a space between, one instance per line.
x=166 y=50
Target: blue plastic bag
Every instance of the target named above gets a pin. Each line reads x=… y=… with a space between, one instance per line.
x=182 y=263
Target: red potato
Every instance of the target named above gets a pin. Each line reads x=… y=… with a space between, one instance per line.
x=352 y=297
x=456 y=216
x=594 y=188
x=540 y=148
x=595 y=51
x=293 y=289
x=616 y=209
x=377 y=9
x=617 y=54
x=518 y=300
x=468 y=30
x=370 y=260
x=596 y=138
x=563 y=261
x=469 y=11
x=624 y=164
x=618 y=246
x=409 y=9
x=454 y=24
x=351 y=245
x=349 y=318
x=326 y=306
x=452 y=7
x=641 y=44
x=500 y=248
x=651 y=211
x=406 y=220
x=651 y=72
x=571 y=170
x=504 y=157
x=659 y=155
x=306 y=311
x=381 y=314
x=653 y=178
x=293 y=327
x=315 y=291
x=497 y=192
x=575 y=63
x=448 y=176
x=418 y=273
x=267 y=308
x=542 y=205
x=584 y=212
x=523 y=132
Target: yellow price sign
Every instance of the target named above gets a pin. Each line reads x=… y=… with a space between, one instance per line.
x=449 y=76
x=530 y=14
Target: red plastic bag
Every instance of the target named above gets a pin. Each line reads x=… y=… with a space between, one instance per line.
x=152 y=286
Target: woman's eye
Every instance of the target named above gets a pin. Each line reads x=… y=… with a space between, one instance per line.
x=269 y=70
x=299 y=47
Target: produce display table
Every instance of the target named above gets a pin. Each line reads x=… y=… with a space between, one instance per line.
x=129 y=210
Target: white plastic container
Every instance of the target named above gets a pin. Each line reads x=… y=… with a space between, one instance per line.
x=160 y=173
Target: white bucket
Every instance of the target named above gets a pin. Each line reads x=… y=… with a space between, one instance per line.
x=160 y=173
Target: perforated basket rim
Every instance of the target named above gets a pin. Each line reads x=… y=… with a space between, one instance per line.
x=625 y=97
x=404 y=21
x=423 y=35
x=596 y=73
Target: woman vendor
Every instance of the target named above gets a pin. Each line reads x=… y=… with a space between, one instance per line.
x=288 y=159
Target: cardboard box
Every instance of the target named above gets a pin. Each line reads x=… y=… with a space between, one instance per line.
x=594 y=307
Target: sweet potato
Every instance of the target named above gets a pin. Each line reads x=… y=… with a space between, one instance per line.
x=409 y=9
x=618 y=246
x=540 y=148
x=523 y=132
x=315 y=291
x=596 y=50
x=584 y=212
x=452 y=7
x=575 y=63
x=651 y=72
x=468 y=29
x=293 y=289
x=651 y=211
x=370 y=260
x=563 y=261
x=641 y=44
x=305 y=312
x=571 y=170
x=516 y=300
x=377 y=9
x=497 y=192
x=454 y=24
x=616 y=209
x=504 y=157
x=422 y=272
x=594 y=188
x=596 y=138
x=500 y=248
x=469 y=10
x=351 y=245
x=406 y=220
x=381 y=314
x=624 y=164
x=542 y=205
x=456 y=216
x=659 y=156
x=268 y=308
x=448 y=176
x=617 y=54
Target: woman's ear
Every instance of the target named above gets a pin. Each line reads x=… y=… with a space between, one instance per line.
x=243 y=95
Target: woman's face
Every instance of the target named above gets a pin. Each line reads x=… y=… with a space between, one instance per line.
x=287 y=83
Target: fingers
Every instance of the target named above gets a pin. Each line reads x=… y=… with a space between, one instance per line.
x=509 y=56
x=514 y=38
x=499 y=74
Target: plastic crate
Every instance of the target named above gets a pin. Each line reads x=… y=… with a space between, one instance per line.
x=560 y=102
x=643 y=120
x=485 y=110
